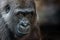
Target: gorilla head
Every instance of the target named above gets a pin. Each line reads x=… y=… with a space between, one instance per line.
x=19 y=15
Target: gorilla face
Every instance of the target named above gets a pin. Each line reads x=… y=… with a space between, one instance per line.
x=18 y=19
x=24 y=21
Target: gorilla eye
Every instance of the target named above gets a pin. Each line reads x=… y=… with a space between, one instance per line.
x=19 y=15
x=32 y=13
x=7 y=8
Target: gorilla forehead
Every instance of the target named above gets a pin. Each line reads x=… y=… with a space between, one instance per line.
x=22 y=3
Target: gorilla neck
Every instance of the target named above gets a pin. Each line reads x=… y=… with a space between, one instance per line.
x=20 y=36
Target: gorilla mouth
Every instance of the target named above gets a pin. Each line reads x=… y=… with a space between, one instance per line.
x=22 y=29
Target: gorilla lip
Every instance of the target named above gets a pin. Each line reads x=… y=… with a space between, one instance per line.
x=23 y=30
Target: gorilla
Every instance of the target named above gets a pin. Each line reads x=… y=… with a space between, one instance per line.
x=49 y=17
x=18 y=20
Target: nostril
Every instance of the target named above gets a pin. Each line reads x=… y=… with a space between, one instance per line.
x=24 y=24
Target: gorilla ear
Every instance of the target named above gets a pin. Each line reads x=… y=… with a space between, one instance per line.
x=7 y=8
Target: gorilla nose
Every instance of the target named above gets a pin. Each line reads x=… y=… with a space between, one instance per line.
x=24 y=24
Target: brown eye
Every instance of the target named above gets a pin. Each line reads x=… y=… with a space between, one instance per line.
x=32 y=13
x=29 y=16
x=19 y=15
x=7 y=8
